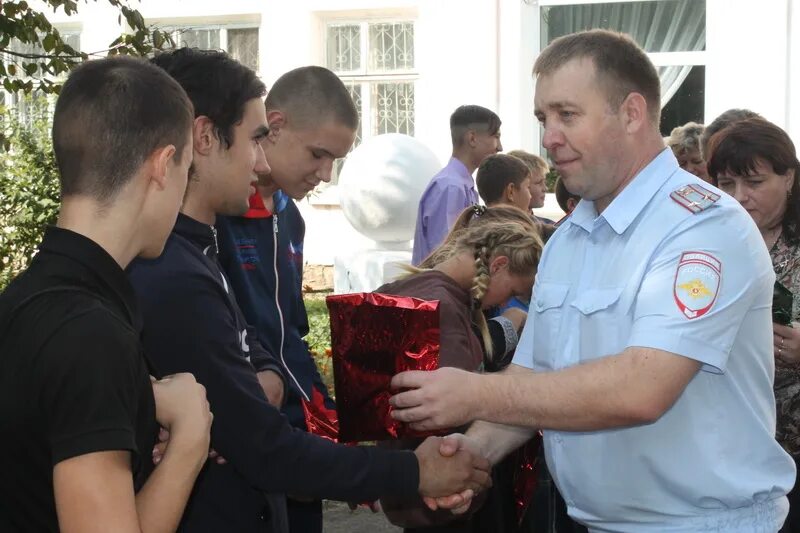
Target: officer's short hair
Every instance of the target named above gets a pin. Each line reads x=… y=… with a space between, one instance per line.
x=472 y=117
x=110 y=116
x=219 y=86
x=621 y=66
x=496 y=172
x=311 y=95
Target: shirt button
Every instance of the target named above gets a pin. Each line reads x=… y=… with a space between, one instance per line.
x=559 y=440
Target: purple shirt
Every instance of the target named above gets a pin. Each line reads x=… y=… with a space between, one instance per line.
x=450 y=192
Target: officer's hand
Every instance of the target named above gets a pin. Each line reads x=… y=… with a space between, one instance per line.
x=457 y=503
x=464 y=472
x=443 y=398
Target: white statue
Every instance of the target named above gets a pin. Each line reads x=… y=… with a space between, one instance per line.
x=379 y=189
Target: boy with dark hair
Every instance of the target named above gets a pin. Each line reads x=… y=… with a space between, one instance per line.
x=504 y=179
x=475 y=132
x=78 y=410
x=539 y=169
x=192 y=321
x=262 y=252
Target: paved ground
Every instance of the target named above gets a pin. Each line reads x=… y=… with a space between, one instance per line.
x=338 y=518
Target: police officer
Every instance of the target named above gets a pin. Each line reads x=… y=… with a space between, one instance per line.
x=649 y=335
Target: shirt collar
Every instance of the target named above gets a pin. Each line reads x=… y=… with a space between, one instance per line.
x=103 y=270
x=202 y=235
x=460 y=169
x=631 y=201
x=257 y=207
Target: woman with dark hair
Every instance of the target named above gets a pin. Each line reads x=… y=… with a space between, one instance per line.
x=755 y=162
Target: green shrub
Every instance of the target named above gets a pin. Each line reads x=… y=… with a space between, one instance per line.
x=319 y=335
x=29 y=188
x=550 y=180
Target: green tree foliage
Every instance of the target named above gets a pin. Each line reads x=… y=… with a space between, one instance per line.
x=34 y=60
x=36 y=57
x=29 y=189
x=550 y=180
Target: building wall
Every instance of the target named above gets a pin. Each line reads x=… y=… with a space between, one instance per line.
x=481 y=52
x=749 y=59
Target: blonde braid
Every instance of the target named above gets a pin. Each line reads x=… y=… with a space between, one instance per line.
x=498 y=231
x=480 y=284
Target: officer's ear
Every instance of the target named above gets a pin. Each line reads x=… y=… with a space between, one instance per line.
x=634 y=113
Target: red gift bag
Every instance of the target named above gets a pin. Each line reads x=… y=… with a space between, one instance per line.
x=374 y=337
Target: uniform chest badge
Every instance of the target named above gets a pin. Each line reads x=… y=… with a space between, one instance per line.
x=693 y=197
x=697 y=282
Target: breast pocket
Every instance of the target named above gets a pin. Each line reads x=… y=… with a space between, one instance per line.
x=548 y=304
x=603 y=324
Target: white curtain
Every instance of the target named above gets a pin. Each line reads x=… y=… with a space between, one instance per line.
x=658 y=26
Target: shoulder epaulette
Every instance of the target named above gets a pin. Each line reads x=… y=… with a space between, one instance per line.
x=694 y=198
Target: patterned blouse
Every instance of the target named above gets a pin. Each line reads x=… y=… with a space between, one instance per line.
x=786 y=262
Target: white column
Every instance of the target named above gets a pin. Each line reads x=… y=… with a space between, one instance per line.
x=519 y=45
x=793 y=64
x=748 y=56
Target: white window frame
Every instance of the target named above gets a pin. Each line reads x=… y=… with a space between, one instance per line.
x=329 y=194
x=10 y=101
x=362 y=76
x=223 y=30
x=173 y=25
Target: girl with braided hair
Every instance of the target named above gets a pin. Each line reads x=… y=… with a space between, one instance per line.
x=502 y=327
x=490 y=255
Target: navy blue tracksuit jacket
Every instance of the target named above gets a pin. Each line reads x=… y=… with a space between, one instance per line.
x=192 y=323
x=262 y=255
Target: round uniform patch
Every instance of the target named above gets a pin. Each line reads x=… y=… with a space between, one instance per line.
x=696 y=283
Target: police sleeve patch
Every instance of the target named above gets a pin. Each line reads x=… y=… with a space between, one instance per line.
x=697 y=281
x=695 y=198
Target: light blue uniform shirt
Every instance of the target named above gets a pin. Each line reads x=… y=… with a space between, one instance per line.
x=649 y=272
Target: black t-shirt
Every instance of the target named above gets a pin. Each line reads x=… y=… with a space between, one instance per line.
x=73 y=379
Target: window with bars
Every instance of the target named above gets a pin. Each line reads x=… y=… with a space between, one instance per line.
x=28 y=108
x=375 y=60
x=70 y=38
x=240 y=42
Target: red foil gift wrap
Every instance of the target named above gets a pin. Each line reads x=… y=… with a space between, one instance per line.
x=374 y=337
x=526 y=475
x=320 y=419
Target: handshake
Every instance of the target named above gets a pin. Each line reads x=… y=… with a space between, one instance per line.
x=452 y=471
